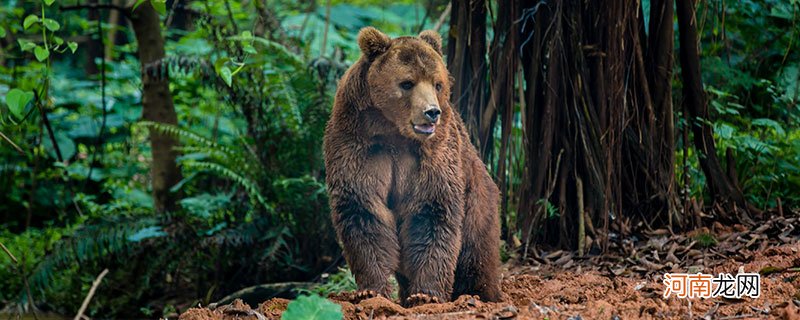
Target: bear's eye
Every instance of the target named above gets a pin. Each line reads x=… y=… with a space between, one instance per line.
x=438 y=87
x=406 y=85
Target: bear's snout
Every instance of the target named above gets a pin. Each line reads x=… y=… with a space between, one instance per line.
x=432 y=113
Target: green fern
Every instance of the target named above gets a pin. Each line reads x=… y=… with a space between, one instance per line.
x=234 y=164
x=108 y=238
x=248 y=185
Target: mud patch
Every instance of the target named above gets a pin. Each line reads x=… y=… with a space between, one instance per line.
x=536 y=293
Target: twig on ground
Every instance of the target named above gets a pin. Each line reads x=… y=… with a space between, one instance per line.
x=741 y=316
x=446 y=314
x=711 y=312
x=89 y=296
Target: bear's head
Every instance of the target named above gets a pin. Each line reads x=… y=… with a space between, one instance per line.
x=407 y=80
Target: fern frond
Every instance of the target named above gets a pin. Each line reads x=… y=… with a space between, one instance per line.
x=249 y=186
x=195 y=143
x=180 y=65
x=108 y=238
x=186 y=134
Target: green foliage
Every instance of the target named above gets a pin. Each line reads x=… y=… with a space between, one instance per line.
x=312 y=307
x=751 y=73
x=17 y=100
x=247 y=187
x=346 y=18
x=341 y=281
x=252 y=107
x=705 y=240
x=551 y=211
x=204 y=155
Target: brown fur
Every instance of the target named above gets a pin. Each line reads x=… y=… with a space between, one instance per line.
x=420 y=206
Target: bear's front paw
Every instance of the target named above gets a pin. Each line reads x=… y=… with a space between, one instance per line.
x=418 y=299
x=355 y=296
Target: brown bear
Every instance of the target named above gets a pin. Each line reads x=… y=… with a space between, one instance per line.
x=409 y=195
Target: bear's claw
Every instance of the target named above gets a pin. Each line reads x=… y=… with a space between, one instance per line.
x=418 y=299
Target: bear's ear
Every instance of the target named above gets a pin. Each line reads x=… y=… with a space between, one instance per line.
x=373 y=42
x=432 y=38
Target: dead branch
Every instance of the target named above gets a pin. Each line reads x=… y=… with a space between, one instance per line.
x=13 y=258
x=89 y=296
x=16 y=147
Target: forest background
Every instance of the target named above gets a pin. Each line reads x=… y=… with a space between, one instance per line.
x=178 y=143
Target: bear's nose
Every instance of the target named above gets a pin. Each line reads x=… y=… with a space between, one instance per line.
x=433 y=113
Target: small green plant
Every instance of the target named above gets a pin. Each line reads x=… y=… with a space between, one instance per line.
x=340 y=281
x=552 y=211
x=312 y=307
x=705 y=240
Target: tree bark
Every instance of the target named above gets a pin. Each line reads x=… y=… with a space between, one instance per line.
x=466 y=55
x=267 y=25
x=648 y=145
x=157 y=105
x=722 y=189
x=502 y=74
x=94 y=48
x=590 y=115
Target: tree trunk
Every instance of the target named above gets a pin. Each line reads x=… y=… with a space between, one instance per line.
x=722 y=189
x=502 y=74
x=466 y=55
x=94 y=48
x=114 y=23
x=267 y=25
x=157 y=105
x=649 y=139
x=597 y=109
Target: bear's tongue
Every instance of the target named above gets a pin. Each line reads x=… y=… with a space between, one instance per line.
x=424 y=128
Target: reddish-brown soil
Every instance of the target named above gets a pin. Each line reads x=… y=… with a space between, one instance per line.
x=558 y=285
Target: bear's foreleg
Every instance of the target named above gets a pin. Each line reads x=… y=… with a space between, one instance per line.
x=431 y=240
x=478 y=269
x=368 y=236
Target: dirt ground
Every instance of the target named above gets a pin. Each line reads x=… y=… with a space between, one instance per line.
x=625 y=285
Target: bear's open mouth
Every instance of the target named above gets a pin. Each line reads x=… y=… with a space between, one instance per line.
x=427 y=128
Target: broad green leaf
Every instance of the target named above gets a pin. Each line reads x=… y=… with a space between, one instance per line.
x=29 y=21
x=312 y=307
x=51 y=24
x=72 y=46
x=49 y=2
x=769 y=123
x=58 y=40
x=249 y=49
x=247 y=35
x=65 y=144
x=160 y=6
x=16 y=100
x=220 y=63
x=724 y=130
x=226 y=75
x=41 y=53
x=26 y=45
x=2 y=32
